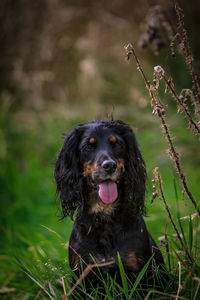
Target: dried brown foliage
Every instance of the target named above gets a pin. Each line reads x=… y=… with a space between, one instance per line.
x=183 y=42
x=156 y=21
x=158 y=30
x=159 y=109
x=152 y=28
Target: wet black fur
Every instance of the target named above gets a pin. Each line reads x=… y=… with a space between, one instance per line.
x=95 y=235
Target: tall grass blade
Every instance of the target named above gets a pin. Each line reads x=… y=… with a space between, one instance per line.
x=105 y=282
x=190 y=235
x=33 y=277
x=167 y=252
x=178 y=212
x=139 y=277
x=123 y=277
x=52 y=231
x=197 y=240
x=52 y=290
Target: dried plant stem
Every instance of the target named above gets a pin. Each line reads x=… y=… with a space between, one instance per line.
x=163 y=294
x=197 y=289
x=63 y=285
x=188 y=56
x=129 y=51
x=84 y=274
x=139 y=67
x=167 y=252
x=6 y=290
x=198 y=279
x=184 y=107
x=169 y=214
x=81 y=259
x=159 y=110
x=184 y=264
x=179 y=281
x=176 y=159
x=190 y=272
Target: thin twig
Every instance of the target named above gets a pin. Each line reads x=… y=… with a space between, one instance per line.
x=63 y=285
x=85 y=273
x=84 y=261
x=6 y=290
x=176 y=159
x=179 y=281
x=160 y=111
x=167 y=252
x=197 y=279
x=184 y=107
x=40 y=285
x=188 y=56
x=129 y=51
x=190 y=271
x=163 y=294
x=159 y=180
x=197 y=289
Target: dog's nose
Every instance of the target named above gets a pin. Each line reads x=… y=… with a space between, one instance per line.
x=109 y=166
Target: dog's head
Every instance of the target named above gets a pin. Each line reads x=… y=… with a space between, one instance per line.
x=101 y=159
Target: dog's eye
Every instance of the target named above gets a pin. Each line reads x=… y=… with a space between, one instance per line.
x=114 y=141
x=91 y=144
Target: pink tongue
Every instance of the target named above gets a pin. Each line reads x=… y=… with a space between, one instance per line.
x=108 y=191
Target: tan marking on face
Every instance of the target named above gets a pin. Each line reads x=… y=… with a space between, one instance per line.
x=135 y=262
x=92 y=140
x=121 y=164
x=112 y=139
x=88 y=169
x=100 y=207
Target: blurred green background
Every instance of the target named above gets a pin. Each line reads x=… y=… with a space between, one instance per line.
x=63 y=63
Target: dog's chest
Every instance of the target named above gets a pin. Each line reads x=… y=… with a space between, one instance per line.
x=105 y=239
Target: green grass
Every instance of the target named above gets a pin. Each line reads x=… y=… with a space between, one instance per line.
x=33 y=244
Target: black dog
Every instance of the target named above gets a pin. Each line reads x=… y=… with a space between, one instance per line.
x=101 y=174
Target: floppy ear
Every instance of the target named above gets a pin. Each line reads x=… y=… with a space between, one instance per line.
x=135 y=173
x=67 y=173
